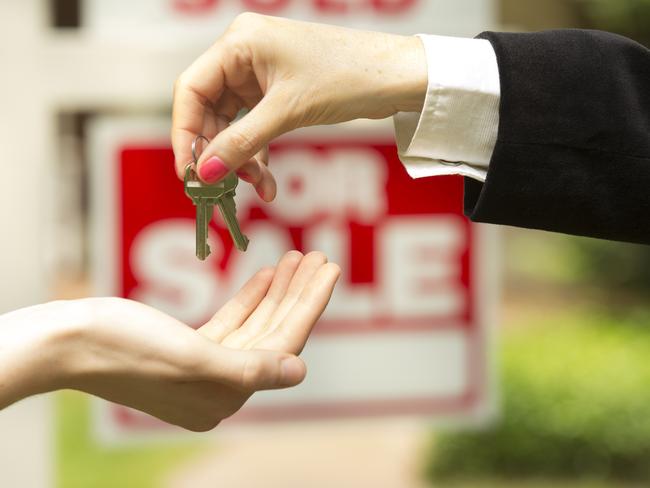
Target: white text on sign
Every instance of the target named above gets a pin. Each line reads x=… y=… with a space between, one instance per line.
x=416 y=261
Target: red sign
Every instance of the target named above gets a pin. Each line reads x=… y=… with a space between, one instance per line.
x=405 y=331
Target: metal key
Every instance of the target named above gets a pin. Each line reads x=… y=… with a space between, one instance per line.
x=205 y=197
x=228 y=210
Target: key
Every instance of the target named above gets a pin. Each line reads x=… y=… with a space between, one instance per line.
x=204 y=210
x=228 y=210
x=205 y=197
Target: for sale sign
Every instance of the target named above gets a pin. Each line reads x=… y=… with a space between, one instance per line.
x=406 y=331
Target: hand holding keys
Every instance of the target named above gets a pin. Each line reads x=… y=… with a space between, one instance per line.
x=205 y=197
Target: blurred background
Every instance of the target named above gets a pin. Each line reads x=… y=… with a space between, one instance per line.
x=556 y=327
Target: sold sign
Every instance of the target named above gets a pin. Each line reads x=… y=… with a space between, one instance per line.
x=405 y=332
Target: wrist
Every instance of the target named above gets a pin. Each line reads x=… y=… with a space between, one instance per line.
x=37 y=348
x=407 y=74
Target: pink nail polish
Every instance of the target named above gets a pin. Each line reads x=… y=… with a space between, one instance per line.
x=244 y=176
x=213 y=170
x=260 y=192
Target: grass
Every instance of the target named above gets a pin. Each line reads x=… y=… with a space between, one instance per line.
x=82 y=462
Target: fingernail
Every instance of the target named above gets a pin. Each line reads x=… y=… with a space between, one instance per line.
x=260 y=191
x=244 y=176
x=213 y=170
x=293 y=371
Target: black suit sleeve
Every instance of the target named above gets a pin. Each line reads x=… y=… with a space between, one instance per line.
x=573 y=150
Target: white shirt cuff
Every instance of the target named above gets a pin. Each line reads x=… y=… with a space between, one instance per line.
x=457 y=130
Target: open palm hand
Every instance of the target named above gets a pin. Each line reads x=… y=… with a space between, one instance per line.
x=135 y=355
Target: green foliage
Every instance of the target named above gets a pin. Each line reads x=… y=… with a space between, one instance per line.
x=576 y=404
x=626 y=17
x=614 y=267
x=83 y=462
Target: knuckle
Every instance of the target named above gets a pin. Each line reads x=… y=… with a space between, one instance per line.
x=182 y=83
x=244 y=141
x=247 y=26
x=247 y=19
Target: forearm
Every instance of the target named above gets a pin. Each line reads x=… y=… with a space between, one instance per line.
x=573 y=149
x=33 y=343
x=404 y=70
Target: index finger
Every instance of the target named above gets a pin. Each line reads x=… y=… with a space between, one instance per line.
x=199 y=85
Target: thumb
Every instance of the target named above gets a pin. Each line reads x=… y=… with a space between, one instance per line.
x=242 y=140
x=255 y=369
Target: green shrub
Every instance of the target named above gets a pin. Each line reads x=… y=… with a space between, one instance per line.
x=614 y=266
x=627 y=17
x=576 y=404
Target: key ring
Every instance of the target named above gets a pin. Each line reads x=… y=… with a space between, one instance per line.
x=198 y=138
x=195 y=158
